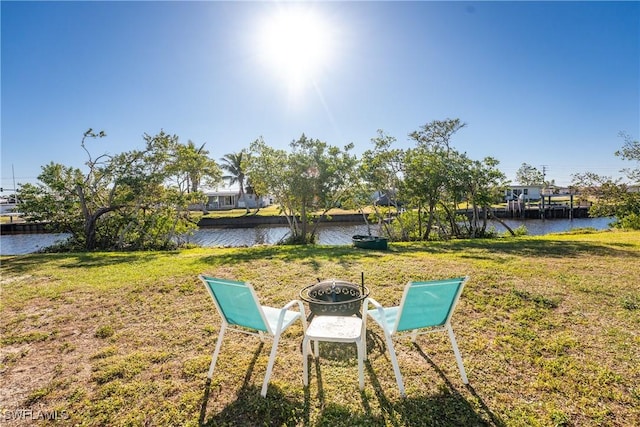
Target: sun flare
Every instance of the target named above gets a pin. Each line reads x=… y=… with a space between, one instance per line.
x=296 y=44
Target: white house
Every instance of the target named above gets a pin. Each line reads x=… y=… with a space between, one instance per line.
x=221 y=199
x=6 y=207
x=528 y=192
x=229 y=198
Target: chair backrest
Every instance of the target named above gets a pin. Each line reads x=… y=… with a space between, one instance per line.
x=237 y=302
x=428 y=304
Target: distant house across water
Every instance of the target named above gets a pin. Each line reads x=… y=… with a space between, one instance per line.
x=229 y=198
x=528 y=192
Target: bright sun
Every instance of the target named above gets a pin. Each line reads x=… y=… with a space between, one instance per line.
x=297 y=44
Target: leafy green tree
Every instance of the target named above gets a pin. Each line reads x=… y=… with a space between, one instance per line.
x=610 y=198
x=381 y=173
x=630 y=151
x=426 y=176
x=266 y=171
x=484 y=185
x=236 y=165
x=529 y=175
x=306 y=182
x=432 y=172
x=121 y=202
x=54 y=200
x=192 y=168
x=438 y=180
x=437 y=134
x=613 y=197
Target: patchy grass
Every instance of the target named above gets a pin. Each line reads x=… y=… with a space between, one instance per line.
x=548 y=328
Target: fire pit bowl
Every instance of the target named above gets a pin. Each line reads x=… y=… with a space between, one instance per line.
x=334 y=298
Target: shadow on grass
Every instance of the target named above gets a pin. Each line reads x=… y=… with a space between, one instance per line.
x=521 y=247
x=251 y=409
x=459 y=407
x=310 y=254
x=446 y=407
x=314 y=255
x=23 y=264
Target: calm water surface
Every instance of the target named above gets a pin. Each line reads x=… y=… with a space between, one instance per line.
x=18 y=244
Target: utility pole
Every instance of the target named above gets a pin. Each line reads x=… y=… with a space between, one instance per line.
x=3 y=189
x=544 y=185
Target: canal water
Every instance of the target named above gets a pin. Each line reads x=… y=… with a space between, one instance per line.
x=334 y=234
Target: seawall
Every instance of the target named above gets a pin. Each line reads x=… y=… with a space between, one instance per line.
x=22 y=228
x=256 y=220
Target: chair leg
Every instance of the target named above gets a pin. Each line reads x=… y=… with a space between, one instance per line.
x=364 y=342
x=305 y=362
x=214 y=358
x=272 y=359
x=456 y=351
x=309 y=348
x=361 y=352
x=394 y=362
x=364 y=330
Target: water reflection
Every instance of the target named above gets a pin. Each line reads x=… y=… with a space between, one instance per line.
x=326 y=235
x=539 y=227
x=18 y=244
x=335 y=234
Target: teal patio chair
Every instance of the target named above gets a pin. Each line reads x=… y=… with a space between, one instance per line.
x=240 y=310
x=425 y=307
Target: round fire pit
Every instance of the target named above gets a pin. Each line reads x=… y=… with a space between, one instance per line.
x=334 y=298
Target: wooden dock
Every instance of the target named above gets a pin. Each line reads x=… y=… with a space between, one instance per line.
x=548 y=212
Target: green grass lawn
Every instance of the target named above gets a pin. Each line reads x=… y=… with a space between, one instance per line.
x=548 y=327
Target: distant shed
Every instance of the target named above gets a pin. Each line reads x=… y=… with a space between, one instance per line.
x=529 y=192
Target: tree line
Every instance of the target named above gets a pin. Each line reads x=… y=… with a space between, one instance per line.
x=140 y=199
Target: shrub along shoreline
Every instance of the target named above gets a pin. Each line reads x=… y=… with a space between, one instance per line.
x=548 y=327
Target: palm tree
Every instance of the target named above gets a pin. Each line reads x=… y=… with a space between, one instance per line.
x=192 y=167
x=235 y=164
x=198 y=158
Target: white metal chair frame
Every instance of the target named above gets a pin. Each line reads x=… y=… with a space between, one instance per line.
x=390 y=319
x=270 y=327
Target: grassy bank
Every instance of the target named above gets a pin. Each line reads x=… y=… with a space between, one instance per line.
x=549 y=329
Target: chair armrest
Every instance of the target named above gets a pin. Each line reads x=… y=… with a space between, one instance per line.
x=292 y=303
x=286 y=308
x=382 y=322
x=375 y=305
x=373 y=302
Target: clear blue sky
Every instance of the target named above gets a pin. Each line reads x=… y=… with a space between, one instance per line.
x=543 y=83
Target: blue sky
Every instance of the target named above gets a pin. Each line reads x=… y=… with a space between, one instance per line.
x=545 y=83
